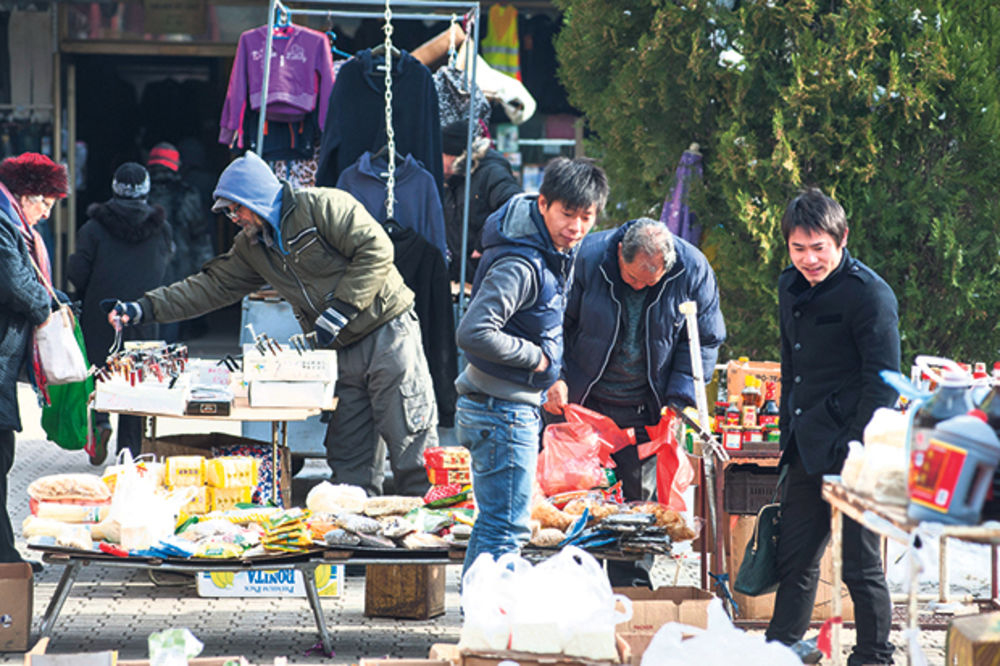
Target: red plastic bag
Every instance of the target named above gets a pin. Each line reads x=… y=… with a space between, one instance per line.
x=673 y=469
x=572 y=458
x=606 y=429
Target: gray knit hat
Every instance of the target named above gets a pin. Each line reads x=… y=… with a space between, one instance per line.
x=131 y=181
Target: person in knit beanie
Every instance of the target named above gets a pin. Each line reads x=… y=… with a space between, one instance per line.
x=122 y=249
x=491 y=185
x=190 y=222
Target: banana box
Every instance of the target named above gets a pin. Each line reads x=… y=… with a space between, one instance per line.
x=270 y=582
x=231 y=471
x=185 y=471
x=223 y=499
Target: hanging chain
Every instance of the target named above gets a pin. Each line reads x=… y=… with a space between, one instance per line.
x=451 y=41
x=390 y=135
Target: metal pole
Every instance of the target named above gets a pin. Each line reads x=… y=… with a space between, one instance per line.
x=268 y=50
x=690 y=311
x=470 y=69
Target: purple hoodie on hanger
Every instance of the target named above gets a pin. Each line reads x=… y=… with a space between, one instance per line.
x=301 y=79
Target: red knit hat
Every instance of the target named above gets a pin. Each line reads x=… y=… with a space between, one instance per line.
x=34 y=173
x=165 y=154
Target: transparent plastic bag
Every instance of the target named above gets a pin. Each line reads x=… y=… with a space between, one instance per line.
x=485 y=598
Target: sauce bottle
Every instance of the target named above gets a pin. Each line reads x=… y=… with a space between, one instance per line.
x=769 y=411
x=951 y=399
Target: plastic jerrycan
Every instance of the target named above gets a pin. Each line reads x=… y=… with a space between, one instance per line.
x=949 y=478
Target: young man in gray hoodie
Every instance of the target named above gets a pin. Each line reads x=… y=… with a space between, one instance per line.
x=324 y=254
x=512 y=339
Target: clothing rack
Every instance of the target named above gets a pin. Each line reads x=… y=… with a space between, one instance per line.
x=439 y=10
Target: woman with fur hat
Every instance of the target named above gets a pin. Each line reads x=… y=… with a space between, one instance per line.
x=122 y=251
x=30 y=184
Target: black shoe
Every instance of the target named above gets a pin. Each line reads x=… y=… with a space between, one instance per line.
x=807 y=651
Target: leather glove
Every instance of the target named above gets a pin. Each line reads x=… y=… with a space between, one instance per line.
x=328 y=324
x=120 y=309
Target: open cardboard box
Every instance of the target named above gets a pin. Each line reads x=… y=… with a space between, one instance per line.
x=450 y=654
x=16 y=601
x=651 y=609
x=38 y=657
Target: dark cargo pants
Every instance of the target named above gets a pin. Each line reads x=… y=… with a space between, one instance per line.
x=385 y=401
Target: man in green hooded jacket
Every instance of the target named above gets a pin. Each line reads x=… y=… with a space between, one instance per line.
x=324 y=254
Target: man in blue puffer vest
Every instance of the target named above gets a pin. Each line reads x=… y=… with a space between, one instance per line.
x=512 y=339
x=627 y=351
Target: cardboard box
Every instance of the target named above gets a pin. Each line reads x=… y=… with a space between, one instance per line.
x=762 y=607
x=651 y=609
x=270 y=583
x=450 y=654
x=414 y=591
x=973 y=640
x=405 y=662
x=202 y=444
x=16 y=605
x=766 y=371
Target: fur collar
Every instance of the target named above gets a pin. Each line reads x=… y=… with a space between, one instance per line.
x=131 y=221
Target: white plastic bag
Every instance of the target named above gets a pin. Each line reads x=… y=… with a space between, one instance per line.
x=721 y=644
x=142 y=514
x=485 y=596
x=325 y=497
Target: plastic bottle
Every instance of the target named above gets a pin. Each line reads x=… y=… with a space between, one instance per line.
x=990 y=406
x=769 y=410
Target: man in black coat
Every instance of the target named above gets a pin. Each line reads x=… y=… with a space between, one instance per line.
x=839 y=329
x=491 y=185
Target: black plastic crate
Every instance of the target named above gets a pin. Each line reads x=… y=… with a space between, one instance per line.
x=748 y=487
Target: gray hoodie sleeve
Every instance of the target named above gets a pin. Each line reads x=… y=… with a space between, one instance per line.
x=509 y=286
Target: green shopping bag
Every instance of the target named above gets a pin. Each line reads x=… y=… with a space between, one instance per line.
x=65 y=419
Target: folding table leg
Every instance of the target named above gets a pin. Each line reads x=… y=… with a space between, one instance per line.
x=59 y=597
x=309 y=574
x=836 y=548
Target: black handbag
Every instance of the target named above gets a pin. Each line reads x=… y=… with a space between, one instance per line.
x=758 y=572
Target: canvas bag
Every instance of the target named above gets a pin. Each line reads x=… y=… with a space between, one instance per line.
x=758 y=572
x=58 y=350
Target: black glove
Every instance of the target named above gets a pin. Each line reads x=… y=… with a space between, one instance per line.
x=128 y=309
x=330 y=322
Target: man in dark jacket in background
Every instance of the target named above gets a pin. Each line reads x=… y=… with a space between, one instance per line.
x=121 y=251
x=189 y=222
x=839 y=329
x=627 y=350
x=491 y=185
x=512 y=338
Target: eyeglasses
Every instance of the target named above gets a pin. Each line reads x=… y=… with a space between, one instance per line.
x=231 y=212
x=48 y=202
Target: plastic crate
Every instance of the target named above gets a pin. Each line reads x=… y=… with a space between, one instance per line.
x=748 y=487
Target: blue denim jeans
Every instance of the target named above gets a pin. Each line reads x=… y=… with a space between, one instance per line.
x=502 y=437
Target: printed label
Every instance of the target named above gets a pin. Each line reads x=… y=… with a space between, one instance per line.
x=934 y=474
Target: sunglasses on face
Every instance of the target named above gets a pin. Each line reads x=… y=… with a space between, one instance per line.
x=40 y=199
x=231 y=212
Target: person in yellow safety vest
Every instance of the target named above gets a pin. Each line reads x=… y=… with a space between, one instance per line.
x=500 y=46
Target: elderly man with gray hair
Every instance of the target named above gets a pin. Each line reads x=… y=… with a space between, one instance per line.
x=626 y=347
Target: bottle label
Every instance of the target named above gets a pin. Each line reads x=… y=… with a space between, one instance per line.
x=934 y=473
x=732 y=439
x=749 y=416
x=733 y=418
x=769 y=419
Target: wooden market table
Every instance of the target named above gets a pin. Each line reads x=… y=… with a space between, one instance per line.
x=893 y=523
x=242 y=411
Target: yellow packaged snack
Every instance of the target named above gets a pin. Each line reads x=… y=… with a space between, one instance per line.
x=223 y=499
x=185 y=471
x=198 y=504
x=231 y=471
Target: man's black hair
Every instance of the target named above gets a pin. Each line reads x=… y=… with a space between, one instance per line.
x=578 y=183
x=814 y=211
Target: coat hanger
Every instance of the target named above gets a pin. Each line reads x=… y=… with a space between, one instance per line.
x=332 y=36
x=380 y=50
x=283 y=27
